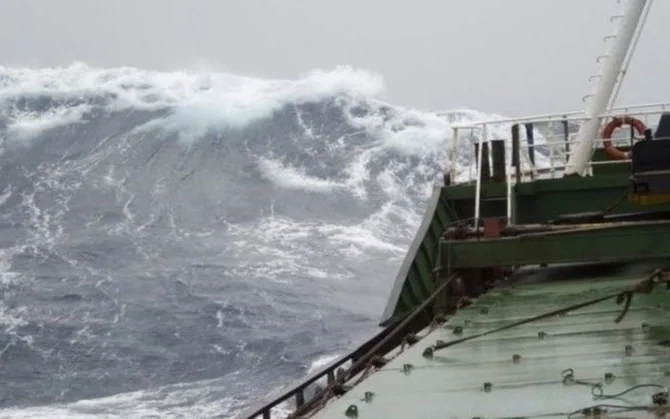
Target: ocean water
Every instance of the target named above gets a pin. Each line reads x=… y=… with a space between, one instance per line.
x=179 y=245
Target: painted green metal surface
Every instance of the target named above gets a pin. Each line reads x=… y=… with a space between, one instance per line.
x=414 y=282
x=634 y=241
x=545 y=199
x=450 y=385
x=535 y=202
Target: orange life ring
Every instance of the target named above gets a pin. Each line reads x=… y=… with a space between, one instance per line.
x=615 y=123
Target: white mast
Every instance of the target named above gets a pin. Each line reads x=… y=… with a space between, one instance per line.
x=599 y=100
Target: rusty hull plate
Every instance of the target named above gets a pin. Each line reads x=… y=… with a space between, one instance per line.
x=451 y=385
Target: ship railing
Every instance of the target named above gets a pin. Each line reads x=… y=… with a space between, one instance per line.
x=312 y=386
x=535 y=147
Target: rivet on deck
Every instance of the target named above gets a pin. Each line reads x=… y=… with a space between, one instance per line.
x=440 y=342
x=378 y=361
x=341 y=389
x=440 y=319
x=407 y=368
x=428 y=352
x=487 y=386
x=629 y=350
x=541 y=335
x=411 y=339
x=660 y=399
x=516 y=358
x=368 y=396
x=458 y=330
x=568 y=376
x=352 y=411
x=609 y=377
x=595 y=411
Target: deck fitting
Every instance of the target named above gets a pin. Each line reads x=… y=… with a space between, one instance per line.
x=352 y=411
x=341 y=389
x=568 y=376
x=411 y=339
x=609 y=377
x=440 y=319
x=428 y=352
x=660 y=399
x=629 y=350
x=484 y=310
x=516 y=358
x=487 y=387
x=595 y=411
x=378 y=361
x=458 y=330
x=407 y=368
x=645 y=326
x=541 y=335
x=368 y=396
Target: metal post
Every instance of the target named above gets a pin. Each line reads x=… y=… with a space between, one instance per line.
x=516 y=152
x=510 y=221
x=454 y=153
x=478 y=187
x=498 y=160
x=602 y=93
x=566 y=138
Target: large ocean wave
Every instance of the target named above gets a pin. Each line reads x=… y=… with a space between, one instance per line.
x=182 y=244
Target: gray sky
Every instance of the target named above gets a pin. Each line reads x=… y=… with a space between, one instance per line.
x=506 y=56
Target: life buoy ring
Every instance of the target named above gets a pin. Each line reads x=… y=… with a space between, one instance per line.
x=615 y=123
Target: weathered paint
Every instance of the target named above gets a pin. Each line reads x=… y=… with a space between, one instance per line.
x=450 y=385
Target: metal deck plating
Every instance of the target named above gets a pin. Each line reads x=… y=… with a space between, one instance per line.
x=524 y=365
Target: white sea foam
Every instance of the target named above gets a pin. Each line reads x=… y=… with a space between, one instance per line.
x=292 y=178
x=200 y=102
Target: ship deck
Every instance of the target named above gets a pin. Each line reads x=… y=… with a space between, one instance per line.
x=588 y=341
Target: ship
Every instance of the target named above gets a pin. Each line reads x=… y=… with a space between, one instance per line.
x=538 y=283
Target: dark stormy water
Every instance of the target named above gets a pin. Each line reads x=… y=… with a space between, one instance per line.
x=180 y=245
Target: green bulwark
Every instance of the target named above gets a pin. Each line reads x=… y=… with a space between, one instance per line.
x=535 y=203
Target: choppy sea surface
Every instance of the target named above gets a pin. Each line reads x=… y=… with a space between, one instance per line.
x=181 y=245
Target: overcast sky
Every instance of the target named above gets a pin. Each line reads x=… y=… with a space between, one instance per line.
x=506 y=56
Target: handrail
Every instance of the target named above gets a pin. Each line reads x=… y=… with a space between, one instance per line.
x=381 y=344
x=478 y=187
x=264 y=409
x=559 y=116
x=464 y=132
